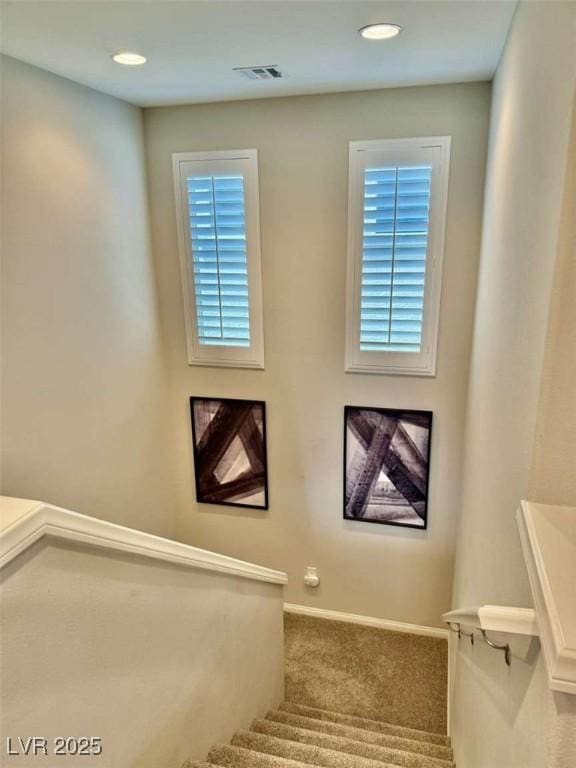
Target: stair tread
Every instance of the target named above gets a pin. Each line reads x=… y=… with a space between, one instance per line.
x=360 y=734
x=365 y=723
x=238 y=757
x=344 y=744
x=305 y=753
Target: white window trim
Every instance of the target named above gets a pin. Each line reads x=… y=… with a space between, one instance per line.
x=400 y=150
x=222 y=356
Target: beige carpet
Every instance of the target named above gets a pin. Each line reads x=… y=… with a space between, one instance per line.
x=392 y=676
x=295 y=736
x=352 y=669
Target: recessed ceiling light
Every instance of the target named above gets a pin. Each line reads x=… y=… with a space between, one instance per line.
x=380 y=31
x=129 y=58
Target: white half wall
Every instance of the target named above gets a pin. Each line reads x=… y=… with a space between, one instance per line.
x=84 y=398
x=161 y=661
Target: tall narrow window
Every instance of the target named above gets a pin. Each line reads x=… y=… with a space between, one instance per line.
x=217 y=204
x=397 y=208
x=218 y=232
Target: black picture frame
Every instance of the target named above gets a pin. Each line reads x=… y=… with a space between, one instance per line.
x=405 y=435
x=225 y=421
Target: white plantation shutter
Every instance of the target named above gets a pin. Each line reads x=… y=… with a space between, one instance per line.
x=217 y=203
x=218 y=234
x=396 y=226
x=395 y=238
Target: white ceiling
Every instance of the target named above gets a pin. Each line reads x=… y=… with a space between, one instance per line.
x=192 y=46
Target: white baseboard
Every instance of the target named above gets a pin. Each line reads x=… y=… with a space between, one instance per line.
x=367 y=621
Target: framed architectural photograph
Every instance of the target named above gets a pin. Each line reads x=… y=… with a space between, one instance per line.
x=229 y=439
x=386 y=466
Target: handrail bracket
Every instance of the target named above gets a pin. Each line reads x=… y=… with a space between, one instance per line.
x=499 y=647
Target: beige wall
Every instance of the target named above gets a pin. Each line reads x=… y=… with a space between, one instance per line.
x=504 y=718
x=302 y=142
x=83 y=389
x=553 y=474
x=159 y=660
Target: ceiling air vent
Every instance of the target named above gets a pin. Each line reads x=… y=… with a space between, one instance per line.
x=268 y=72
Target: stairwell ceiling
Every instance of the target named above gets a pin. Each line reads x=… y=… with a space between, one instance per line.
x=192 y=47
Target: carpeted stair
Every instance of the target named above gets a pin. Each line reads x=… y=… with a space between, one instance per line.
x=297 y=736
